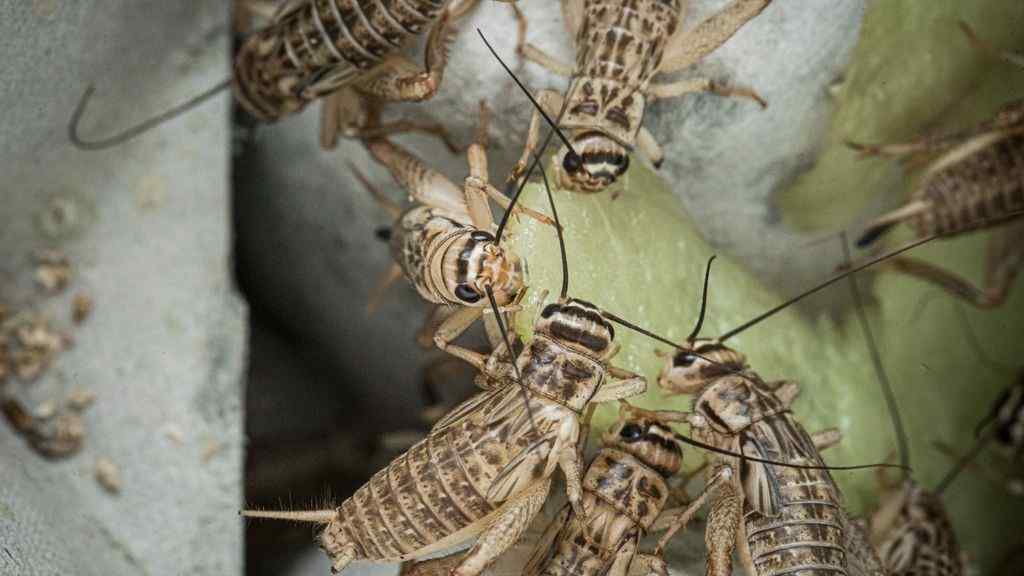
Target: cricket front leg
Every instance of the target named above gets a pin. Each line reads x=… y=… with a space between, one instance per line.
x=720 y=480
x=505 y=530
x=622 y=384
x=452 y=328
x=688 y=47
x=551 y=102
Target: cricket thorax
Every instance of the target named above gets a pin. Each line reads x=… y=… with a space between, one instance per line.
x=973 y=190
x=560 y=373
x=314 y=48
x=922 y=541
x=451 y=263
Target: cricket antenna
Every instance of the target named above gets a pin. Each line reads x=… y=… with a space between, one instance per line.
x=764 y=316
x=703 y=302
x=876 y=361
x=962 y=463
x=710 y=448
x=139 y=128
x=511 y=353
x=558 y=229
x=536 y=104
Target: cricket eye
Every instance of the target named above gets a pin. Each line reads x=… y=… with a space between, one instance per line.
x=684 y=360
x=467 y=295
x=481 y=236
x=631 y=432
x=572 y=162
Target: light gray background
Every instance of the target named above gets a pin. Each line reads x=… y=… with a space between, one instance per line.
x=150 y=241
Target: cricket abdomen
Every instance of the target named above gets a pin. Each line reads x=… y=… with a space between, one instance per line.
x=430 y=493
x=618 y=50
x=981 y=189
x=318 y=39
x=807 y=537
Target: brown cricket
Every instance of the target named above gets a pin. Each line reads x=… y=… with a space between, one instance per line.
x=485 y=469
x=975 y=181
x=346 y=52
x=624 y=490
x=447 y=244
x=620 y=47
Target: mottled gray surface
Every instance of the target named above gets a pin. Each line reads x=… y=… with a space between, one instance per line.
x=149 y=238
x=309 y=259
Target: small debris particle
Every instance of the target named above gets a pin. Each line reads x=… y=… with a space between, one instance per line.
x=81 y=307
x=28 y=364
x=79 y=399
x=108 y=475
x=60 y=436
x=5 y=359
x=212 y=448
x=174 y=433
x=17 y=415
x=53 y=270
x=46 y=410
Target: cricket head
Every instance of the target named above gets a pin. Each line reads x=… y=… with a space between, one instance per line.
x=697 y=365
x=595 y=162
x=577 y=325
x=474 y=262
x=649 y=440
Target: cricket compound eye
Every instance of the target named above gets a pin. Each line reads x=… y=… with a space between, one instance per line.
x=631 y=432
x=572 y=162
x=466 y=294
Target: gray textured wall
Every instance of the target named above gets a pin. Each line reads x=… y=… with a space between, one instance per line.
x=150 y=241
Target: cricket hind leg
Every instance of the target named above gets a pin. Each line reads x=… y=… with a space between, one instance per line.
x=505 y=530
x=687 y=47
x=1001 y=271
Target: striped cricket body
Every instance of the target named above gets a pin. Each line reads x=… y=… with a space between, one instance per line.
x=975 y=182
x=485 y=469
x=913 y=536
x=624 y=490
x=345 y=51
x=444 y=244
x=315 y=47
x=788 y=520
x=621 y=45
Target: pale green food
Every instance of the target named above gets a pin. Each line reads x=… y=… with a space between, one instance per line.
x=638 y=256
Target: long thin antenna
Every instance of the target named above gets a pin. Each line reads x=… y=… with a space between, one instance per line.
x=558 y=229
x=703 y=302
x=522 y=184
x=139 y=128
x=710 y=448
x=512 y=357
x=962 y=463
x=758 y=319
x=528 y=95
x=876 y=361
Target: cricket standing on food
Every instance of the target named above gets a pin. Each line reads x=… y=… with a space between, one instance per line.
x=621 y=45
x=975 y=183
x=347 y=52
x=782 y=519
x=485 y=469
x=625 y=488
x=447 y=245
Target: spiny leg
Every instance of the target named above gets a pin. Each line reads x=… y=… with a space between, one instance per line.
x=505 y=531
x=688 y=47
x=346 y=113
x=696 y=85
x=423 y=184
x=551 y=102
x=719 y=482
x=393 y=273
x=398 y=80
x=827 y=438
x=992 y=296
x=544 y=60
